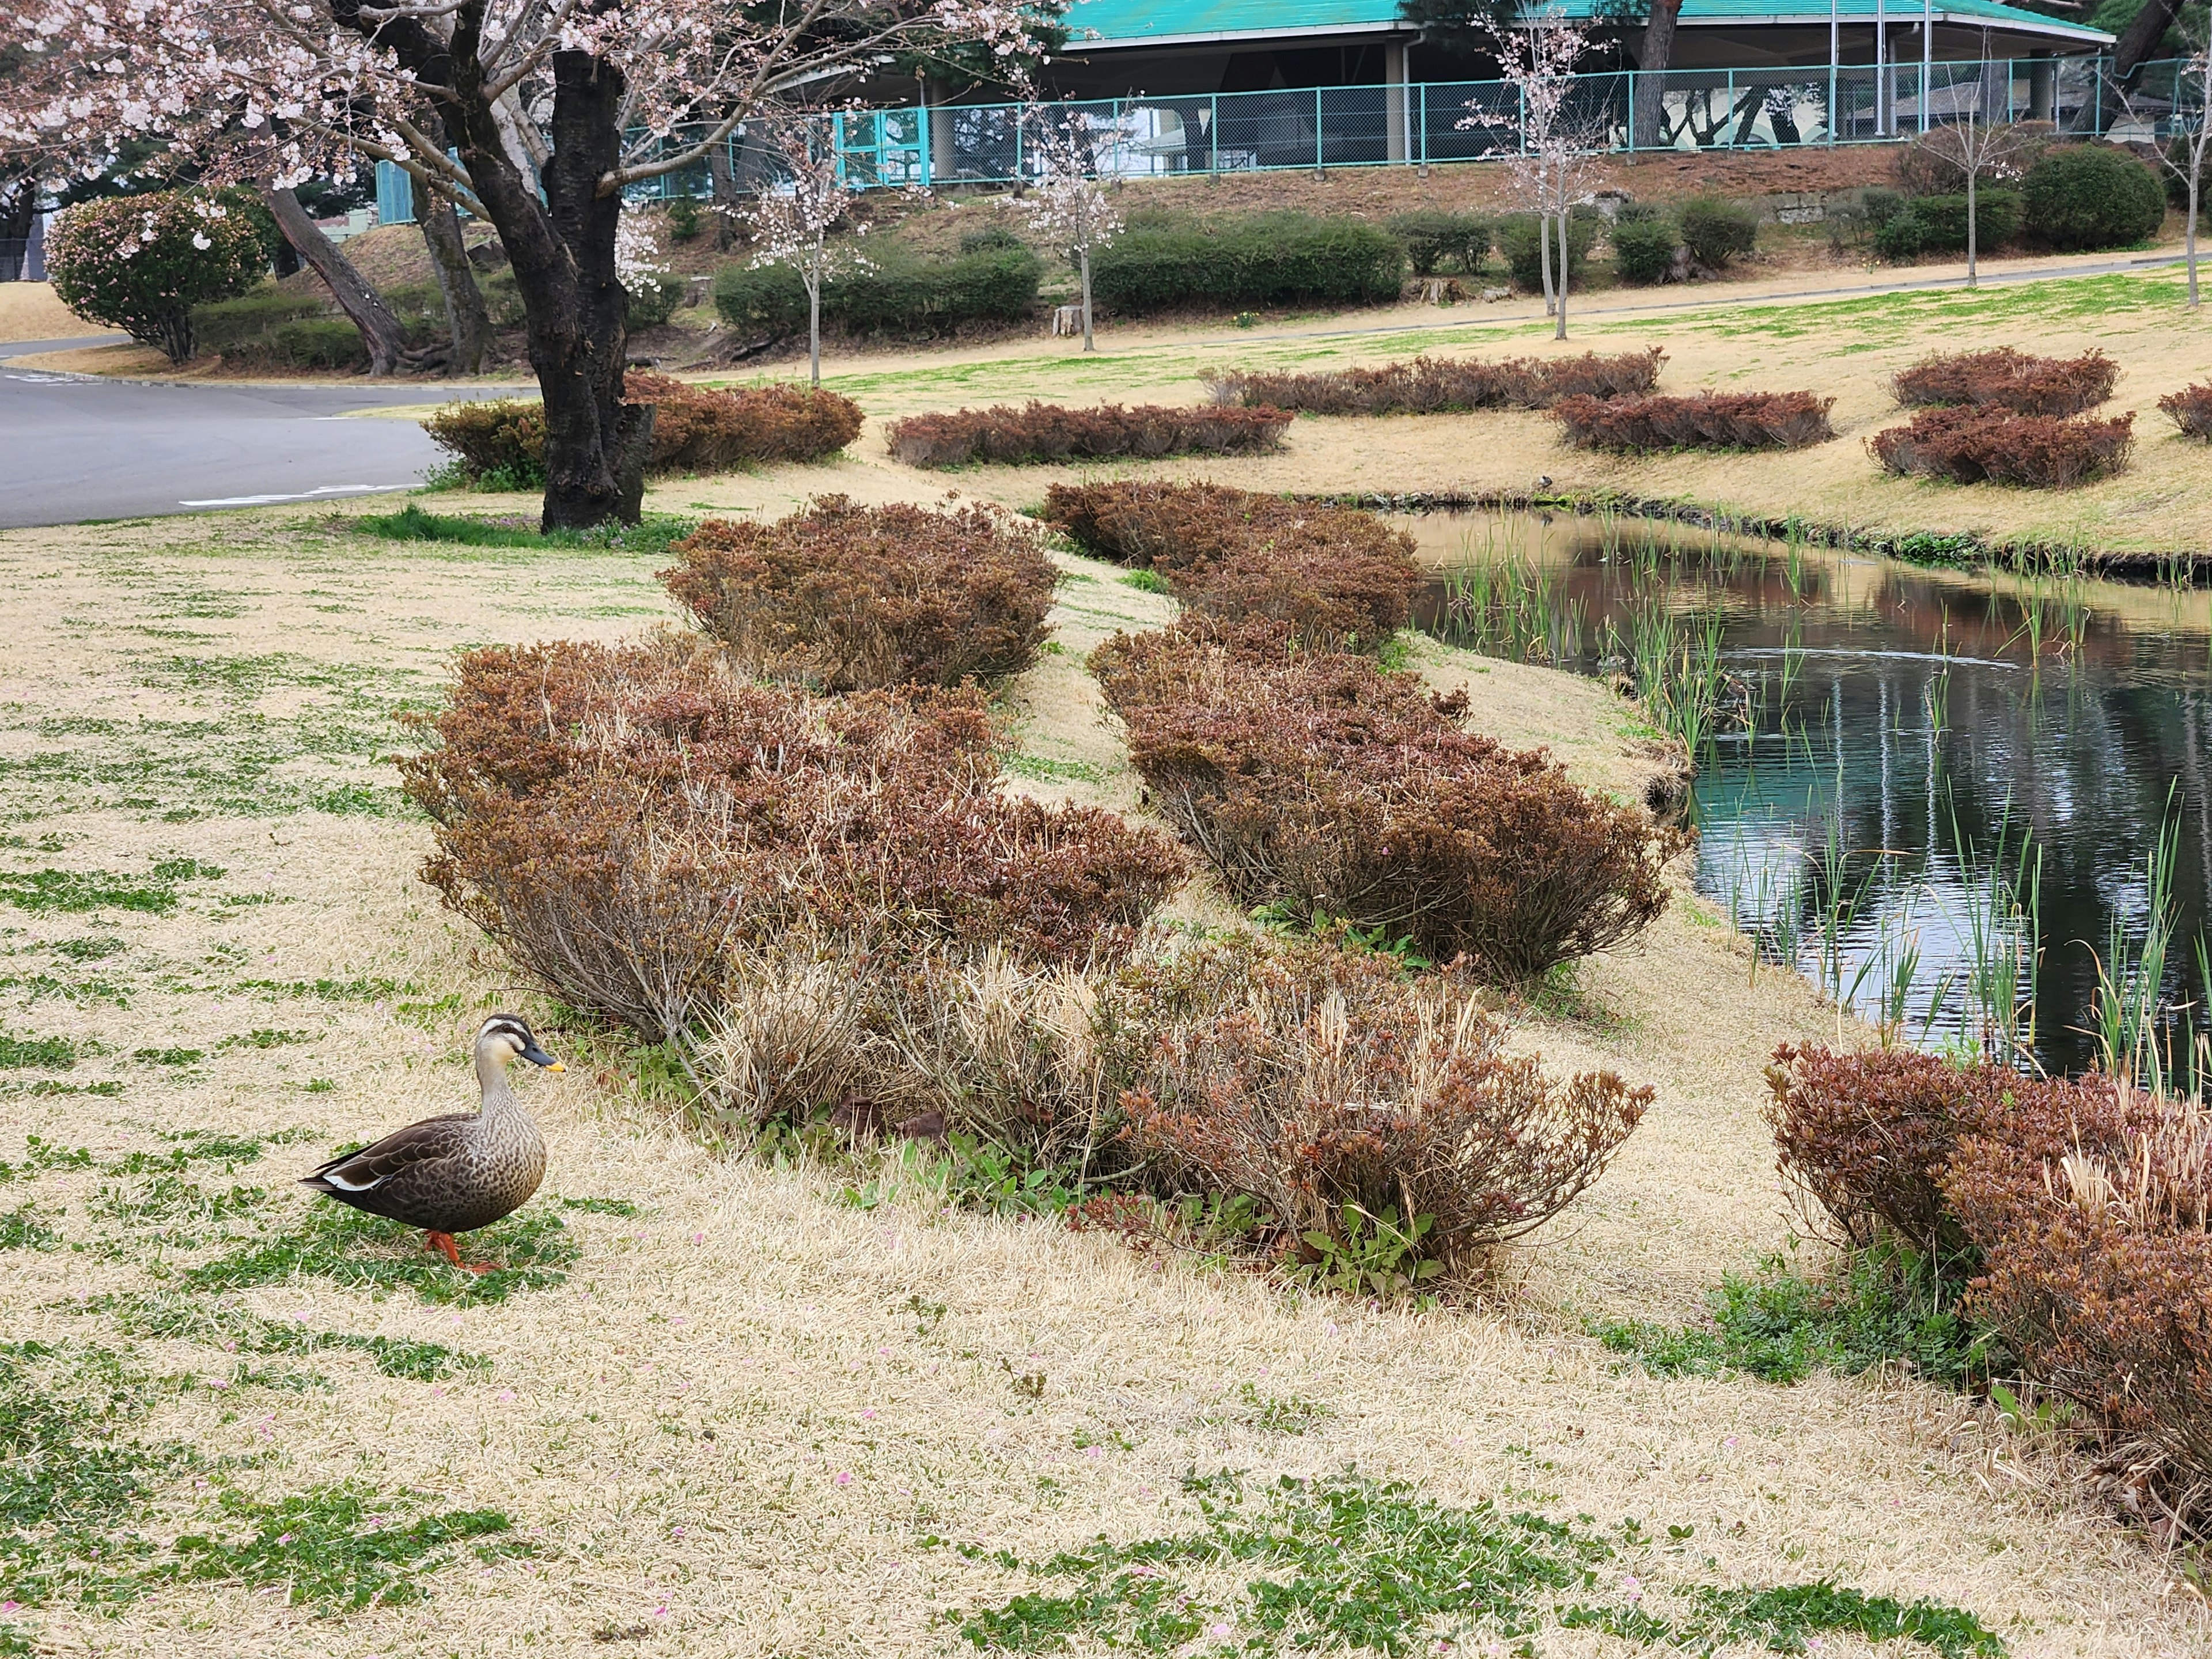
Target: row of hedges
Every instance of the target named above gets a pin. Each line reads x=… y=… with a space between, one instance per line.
x=2070 y=197
x=1047 y=432
x=1433 y=385
x=500 y=443
x=830 y=899
x=1710 y=420
x=896 y=293
x=2071 y=1211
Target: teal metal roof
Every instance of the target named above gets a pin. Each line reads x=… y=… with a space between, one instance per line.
x=1168 y=22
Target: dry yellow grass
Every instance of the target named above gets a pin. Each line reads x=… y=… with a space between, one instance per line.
x=736 y=1426
x=28 y=311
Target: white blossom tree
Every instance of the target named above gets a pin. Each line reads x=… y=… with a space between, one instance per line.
x=552 y=109
x=1549 y=174
x=792 y=226
x=1067 y=201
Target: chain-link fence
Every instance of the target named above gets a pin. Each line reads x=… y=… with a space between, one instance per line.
x=1629 y=111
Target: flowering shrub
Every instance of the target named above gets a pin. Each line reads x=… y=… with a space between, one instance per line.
x=1338 y=578
x=142 y=262
x=2008 y=378
x=2039 y=452
x=1349 y=1102
x=844 y=597
x=1047 y=432
x=2090 y=1212
x=2190 y=409
x=623 y=818
x=1431 y=385
x=1318 y=780
x=501 y=441
x=1710 y=420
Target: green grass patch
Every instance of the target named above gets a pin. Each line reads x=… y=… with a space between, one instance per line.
x=1043 y=769
x=1343 y=1563
x=652 y=533
x=36 y=1053
x=368 y=1252
x=95 y=949
x=336 y=1546
x=1781 y=1327
x=221 y=1323
x=22 y=1230
x=80 y=891
x=600 y=1206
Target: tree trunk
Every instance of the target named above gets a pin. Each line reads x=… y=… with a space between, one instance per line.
x=1084 y=251
x=1651 y=60
x=1973 y=277
x=1544 y=258
x=379 y=329
x=814 y=319
x=2195 y=172
x=2139 y=41
x=1560 y=333
x=466 y=319
x=722 y=189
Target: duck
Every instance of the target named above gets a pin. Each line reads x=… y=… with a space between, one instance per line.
x=457 y=1173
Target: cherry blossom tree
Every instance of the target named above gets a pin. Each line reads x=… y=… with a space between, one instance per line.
x=552 y=109
x=1550 y=173
x=792 y=226
x=1067 y=203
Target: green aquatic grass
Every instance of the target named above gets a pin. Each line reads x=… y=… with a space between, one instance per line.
x=368 y=1252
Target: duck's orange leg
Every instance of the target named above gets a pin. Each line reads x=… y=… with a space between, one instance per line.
x=443 y=1242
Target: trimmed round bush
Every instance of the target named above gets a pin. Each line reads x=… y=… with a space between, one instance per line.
x=654 y=301
x=1716 y=230
x=142 y=262
x=761 y=300
x=1644 y=249
x=1518 y=241
x=1940 y=220
x=2092 y=196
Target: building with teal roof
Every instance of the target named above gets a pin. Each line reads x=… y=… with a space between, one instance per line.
x=1121 y=48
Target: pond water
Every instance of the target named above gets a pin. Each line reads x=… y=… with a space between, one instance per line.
x=1975 y=808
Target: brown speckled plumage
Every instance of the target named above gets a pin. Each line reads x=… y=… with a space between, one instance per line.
x=453 y=1175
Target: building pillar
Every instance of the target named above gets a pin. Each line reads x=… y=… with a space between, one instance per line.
x=937 y=134
x=1397 y=124
x=2042 y=87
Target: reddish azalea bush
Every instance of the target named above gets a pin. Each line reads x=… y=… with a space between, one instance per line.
x=620 y=818
x=699 y=428
x=843 y=597
x=1046 y=433
x=1339 y=579
x=1318 y=780
x=142 y=262
x=695 y=430
x=1309 y=1079
x=2008 y=378
x=1432 y=386
x=2190 y=409
x=2036 y=451
x=1710 y=420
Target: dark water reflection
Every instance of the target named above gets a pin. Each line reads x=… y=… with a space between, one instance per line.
x=1905 y=729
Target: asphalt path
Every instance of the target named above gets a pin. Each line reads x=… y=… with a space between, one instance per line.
x=78 y=446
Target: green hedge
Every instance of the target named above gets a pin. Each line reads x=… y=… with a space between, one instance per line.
x=321 y=343
x=1436 y=242
x=1716 y=230
x=1644 y=247
x=1523 y=249
x=251 y=320
x=2092 y=196
x=1274 y=259
x=901 y=294
x=1937 y=224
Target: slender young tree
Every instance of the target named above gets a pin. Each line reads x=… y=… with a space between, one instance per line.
x=792 y=226
x=1974 y=146
x=1067 y=203
x=553 y=108
x=2191 y=137
x=1550 y=173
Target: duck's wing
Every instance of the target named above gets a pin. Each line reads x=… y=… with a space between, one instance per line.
x=431 y=1141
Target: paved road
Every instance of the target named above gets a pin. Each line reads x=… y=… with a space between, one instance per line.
x=73 y=446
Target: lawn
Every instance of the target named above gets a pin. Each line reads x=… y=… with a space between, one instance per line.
x=721 y=1406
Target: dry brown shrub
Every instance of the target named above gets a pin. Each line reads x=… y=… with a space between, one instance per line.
x=622 y=819
x=699 y=428
x=2008 y=378
x=1340 y=579
x=845 y=597
x=1431 y=385
x=2190 y=409
x=2092 y=1223
x=2036 y=451
x=1308 y=1078
x=1047 y=432
x=1710 y=420
x=1318 y=780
